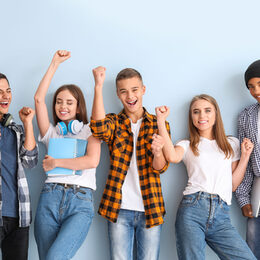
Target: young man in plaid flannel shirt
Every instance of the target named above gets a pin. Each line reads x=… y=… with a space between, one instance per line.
x=249 y=126
x=18 y=150
x=132 y=200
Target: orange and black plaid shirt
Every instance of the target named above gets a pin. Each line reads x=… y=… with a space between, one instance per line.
x=115 y=130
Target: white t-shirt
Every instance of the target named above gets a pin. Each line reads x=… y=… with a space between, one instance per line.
x=210 y=172
x=131 y=192
x=88 y=176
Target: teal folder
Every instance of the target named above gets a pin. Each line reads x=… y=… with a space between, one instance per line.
x=65 y=148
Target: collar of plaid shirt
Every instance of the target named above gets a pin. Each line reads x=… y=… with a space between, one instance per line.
x=121 y=149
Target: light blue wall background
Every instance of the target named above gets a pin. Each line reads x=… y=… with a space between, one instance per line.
x=182 y=48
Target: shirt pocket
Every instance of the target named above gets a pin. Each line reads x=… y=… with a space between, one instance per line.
x=119 y=145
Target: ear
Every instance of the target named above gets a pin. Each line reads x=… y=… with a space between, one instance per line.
x=144 y=89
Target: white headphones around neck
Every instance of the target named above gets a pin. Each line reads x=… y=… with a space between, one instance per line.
x=74 y=127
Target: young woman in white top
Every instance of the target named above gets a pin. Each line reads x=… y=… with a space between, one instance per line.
x=215 y=169
x=65 y=209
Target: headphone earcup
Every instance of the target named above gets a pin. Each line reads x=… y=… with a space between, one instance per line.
x=7 y=119
x=61 y=128
x=75 y=126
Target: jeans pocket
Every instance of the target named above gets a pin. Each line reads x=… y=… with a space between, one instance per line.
x=85 y=194
x=46 y=188
x=224 y=206
x=189 y=200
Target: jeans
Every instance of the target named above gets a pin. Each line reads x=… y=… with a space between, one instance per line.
x=62 y=220
x=253 y=235
x=14 y=240
x=131 y=224
x=204 y=218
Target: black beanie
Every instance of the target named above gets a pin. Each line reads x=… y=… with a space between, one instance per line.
x=253 y=71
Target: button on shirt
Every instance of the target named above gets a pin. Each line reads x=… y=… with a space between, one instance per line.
x=115 y=130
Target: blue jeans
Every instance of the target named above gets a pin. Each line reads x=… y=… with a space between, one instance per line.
x=62 y=220
x=131 y=224
x=253 y=235
x=204 y=218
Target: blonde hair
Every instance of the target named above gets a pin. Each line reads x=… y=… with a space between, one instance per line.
x=218 y=129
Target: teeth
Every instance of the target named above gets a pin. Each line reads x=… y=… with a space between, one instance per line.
x=132 y=102
x=3 y=103
x=64 y=113
x=203 y=121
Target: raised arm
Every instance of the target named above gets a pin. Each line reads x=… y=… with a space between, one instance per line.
x=26 y=115
x=90 y=160
x=98 y=110
x=173 y=154
x=239 y=167
x=39 y=97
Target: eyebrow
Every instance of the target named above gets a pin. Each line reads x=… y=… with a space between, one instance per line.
x=60 y=99
x=253 y=85
x=202 y=108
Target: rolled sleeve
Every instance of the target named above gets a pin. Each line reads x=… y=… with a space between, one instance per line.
x=165 y=167
x=103 y=129
x=28 y=158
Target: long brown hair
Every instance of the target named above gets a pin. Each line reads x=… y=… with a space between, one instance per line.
x=218 y=129
x=81 y=105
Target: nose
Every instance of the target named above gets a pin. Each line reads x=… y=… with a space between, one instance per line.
x=129 y=95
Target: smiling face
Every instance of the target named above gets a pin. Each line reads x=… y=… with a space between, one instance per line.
x=66 y=106
x=130 y=92
x=5 y=97
x=254 y=88
x=203 y=116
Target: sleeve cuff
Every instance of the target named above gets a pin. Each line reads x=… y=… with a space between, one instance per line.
x=243 y=201
x=165 y=167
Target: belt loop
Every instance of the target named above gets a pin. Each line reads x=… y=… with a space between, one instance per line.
x=54 y=186
x=198 y=197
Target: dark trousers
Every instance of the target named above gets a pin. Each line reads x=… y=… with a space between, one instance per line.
x=14 y=240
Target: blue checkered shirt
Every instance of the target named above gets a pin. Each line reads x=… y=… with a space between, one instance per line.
x=25 y=159
x=248 y=127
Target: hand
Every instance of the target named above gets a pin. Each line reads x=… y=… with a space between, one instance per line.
x=26 y=115
x=246 y=147
x=157 y=145
x=162 y=112
x=99 y=74
x=48 y=163
x=60 y=56
x=247 y=211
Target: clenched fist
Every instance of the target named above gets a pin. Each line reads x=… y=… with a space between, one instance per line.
x=99 y=74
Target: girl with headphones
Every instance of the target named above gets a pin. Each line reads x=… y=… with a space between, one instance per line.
x=65 y=209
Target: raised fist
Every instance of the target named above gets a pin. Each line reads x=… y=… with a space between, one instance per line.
x=60 y=56
x=99 y=74
x=162 y=112
x=26 y=114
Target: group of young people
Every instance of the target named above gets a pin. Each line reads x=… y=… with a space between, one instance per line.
x=140 y=150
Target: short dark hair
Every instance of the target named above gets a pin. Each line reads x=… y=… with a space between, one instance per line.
x=2 y=76
x=81 y=105
x=128 y=73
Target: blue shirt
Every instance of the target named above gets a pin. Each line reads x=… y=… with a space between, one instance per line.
x=25 y=159
x=9 y=172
